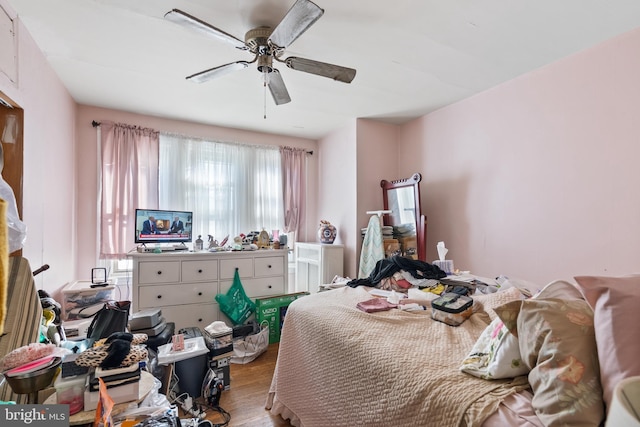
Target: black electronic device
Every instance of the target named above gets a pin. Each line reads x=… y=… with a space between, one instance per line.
x=70 y=369
x=98 y=277
x=163 y=226
x=212 y=387
x=145 y=319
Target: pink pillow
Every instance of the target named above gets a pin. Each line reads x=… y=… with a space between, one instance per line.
x=614 y=301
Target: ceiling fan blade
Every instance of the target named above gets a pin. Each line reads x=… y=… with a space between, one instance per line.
x=213 y=73
x=335 y=72
x=302 y=15
x=278 y=89
x=189 y=21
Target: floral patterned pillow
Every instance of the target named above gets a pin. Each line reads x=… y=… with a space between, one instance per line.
x=557 y=343
x=495 y=355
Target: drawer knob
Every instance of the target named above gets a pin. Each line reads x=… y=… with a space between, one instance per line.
x=269 y=286
x=159 y=296
x=200 y=271
x=269 y=266
x=199 y=320
x=200 y=293
x=159 y=272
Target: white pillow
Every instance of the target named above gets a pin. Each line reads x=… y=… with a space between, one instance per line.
x=495 y=355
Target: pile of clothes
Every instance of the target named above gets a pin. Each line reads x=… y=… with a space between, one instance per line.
x=400 y=273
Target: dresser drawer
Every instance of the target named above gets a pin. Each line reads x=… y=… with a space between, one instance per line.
x=163 y=295
x=153 y=272
x=199 y=271
x=199 y=315
x=257 y=287
x=270 y=266
x=228 y=267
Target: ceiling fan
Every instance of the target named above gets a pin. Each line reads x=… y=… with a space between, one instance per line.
x=267 y=45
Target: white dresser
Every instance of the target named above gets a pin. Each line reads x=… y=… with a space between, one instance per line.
x=184 y=284
x=316 y=264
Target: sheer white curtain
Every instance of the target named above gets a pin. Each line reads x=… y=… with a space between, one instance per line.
x=231 y=188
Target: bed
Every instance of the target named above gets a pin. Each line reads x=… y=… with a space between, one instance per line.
x=340 y=366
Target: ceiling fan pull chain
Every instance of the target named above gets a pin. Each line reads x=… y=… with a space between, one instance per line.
x=264 y=83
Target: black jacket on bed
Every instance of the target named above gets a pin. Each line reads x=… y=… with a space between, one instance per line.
x=387 y=267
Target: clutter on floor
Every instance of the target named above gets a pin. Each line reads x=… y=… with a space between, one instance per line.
x=91 y=351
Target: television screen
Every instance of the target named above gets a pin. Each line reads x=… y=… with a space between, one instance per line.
x=163 y=226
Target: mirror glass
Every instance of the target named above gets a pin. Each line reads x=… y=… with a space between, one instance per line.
x=403 y=206
x=402 y=198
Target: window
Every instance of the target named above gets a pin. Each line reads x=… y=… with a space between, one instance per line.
x=231 y=188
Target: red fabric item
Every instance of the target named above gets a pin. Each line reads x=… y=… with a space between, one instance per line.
x=403 y=283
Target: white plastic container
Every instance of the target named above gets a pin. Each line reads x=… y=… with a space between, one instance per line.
x=193 y=347
x=70 y=391
x=81 y=301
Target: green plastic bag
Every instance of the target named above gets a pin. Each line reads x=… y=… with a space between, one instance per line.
x=235 y=303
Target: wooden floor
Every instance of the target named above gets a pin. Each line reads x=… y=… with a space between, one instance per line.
x=249 y=387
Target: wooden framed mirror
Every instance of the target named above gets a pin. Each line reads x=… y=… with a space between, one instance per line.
x=402 y=198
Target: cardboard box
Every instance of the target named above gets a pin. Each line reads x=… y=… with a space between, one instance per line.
x=391 y=246
x=273 y=310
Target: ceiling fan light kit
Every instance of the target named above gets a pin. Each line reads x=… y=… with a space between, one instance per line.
x=268 y=45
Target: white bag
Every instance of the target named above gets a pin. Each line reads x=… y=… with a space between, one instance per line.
x=247 y=349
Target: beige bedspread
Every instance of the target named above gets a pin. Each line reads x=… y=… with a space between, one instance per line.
x=339 y=366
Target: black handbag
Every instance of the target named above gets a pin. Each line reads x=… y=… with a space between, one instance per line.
x=112 y=317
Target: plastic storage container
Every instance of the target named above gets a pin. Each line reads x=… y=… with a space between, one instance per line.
x=70 y=391
x=81 y=301
x=219 y=339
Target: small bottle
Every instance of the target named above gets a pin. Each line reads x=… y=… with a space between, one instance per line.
x=199 y=244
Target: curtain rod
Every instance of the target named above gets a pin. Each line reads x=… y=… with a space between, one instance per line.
x=96 y=124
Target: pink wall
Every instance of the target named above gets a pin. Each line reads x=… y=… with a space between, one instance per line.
x=353 y=161
x=377 y=160
x=337 y=190
x=536 y=178
x=49 y=151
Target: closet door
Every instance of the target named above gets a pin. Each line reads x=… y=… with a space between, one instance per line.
x=11 y=125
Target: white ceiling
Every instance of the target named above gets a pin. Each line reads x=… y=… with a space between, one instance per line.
x=411 y=56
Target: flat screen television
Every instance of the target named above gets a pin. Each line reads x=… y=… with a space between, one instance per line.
x=163 y=226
